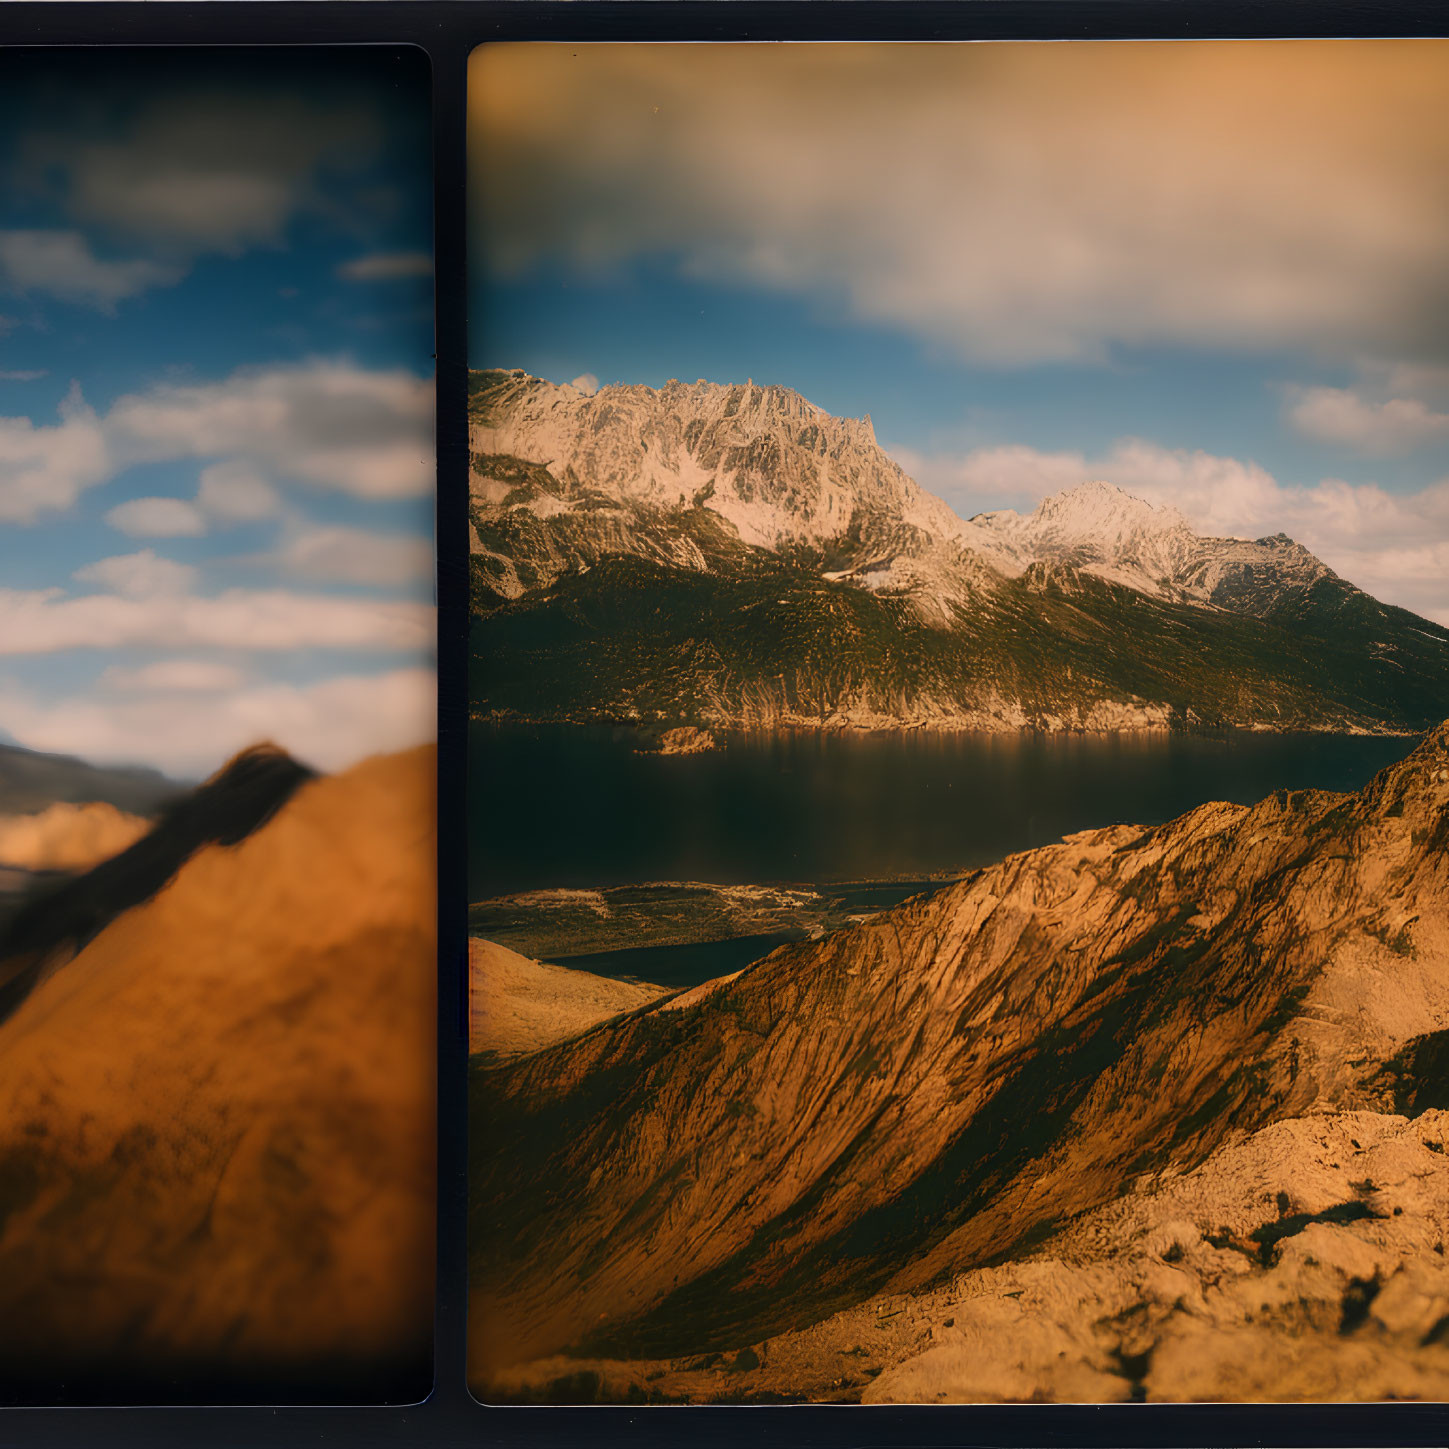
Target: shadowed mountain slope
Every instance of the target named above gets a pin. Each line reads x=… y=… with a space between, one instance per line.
x=943 y=1085
x=217 y=1119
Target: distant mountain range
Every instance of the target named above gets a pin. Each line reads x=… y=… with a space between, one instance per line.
x=31 y=780
x=734 y=555
x=953 y=1083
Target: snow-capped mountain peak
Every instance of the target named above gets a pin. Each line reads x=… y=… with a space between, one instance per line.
x=637 y=469
x=1103 y=529
x=1101 y=510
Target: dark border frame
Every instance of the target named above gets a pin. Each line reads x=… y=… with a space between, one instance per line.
x=448 y=30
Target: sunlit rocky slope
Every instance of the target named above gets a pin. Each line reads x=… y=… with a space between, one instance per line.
x=217 y=1119
x=1016 y=1071
x=734 y=555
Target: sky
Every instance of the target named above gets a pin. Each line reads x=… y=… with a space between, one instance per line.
x=1209 y=272
x=216 y=404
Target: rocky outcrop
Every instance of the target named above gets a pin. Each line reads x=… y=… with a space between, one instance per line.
x=1302 y=1263
x=948 y=1084
x=686 y=740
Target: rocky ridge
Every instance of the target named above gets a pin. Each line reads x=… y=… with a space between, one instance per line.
x=953 y=1083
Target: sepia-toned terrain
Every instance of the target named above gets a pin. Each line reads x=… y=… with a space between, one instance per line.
x=217 y=1117
x=1147 y=1113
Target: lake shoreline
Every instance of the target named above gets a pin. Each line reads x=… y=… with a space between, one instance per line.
x=723 y=730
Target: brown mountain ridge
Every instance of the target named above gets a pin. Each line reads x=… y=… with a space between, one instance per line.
x=952 y=1082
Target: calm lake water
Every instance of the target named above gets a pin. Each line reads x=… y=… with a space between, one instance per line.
x=553 y=806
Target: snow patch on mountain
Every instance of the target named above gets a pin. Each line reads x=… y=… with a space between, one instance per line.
x=1101 y=529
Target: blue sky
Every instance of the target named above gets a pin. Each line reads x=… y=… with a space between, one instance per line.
x=216 y=476
x=1211 y=273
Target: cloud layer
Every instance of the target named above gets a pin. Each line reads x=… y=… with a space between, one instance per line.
x=45 y=469
x=1344 y=415
x=357 y=556
x=330 y=424
x=146 y=605
x=387 y=267
x=61 y=264
x=325 y=424
x=1019 y=202
x=329 y=724
x=199 y=171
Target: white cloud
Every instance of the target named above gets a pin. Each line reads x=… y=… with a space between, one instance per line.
x=157 y=518
x=330 y=724
x=237 y=491
x=1342 y=415
x=386 y=267
x=23 y=374
x=1394 y=546
x=358 y=556
x=143 y=575
x=330 y=425
x=186 y=676
x=45 y=469
x=586 y=382
x=61 y=264
x=335 y=426
x=1019 y=203
x=48 y=621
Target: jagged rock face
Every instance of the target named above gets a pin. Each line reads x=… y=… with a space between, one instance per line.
x=778 y=468
x=943 y=1085
x=734 y=556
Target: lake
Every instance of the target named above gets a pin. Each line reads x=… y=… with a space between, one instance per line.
x=580 y=807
